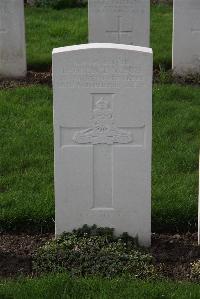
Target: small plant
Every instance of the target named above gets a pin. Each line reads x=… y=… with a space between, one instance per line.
x=195 y=271
x=94 y=251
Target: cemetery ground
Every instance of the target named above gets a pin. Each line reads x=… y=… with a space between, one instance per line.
x=47 y=29
x=26 y=189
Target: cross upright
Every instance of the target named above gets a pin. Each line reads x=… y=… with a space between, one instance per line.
x=119 y=32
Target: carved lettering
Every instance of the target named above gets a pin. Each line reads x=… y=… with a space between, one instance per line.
x=116 y=6
x=101 y=74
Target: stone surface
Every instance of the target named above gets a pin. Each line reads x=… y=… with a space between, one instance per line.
x=119 y=21
x=102 y=131
x=12 y=39
x=186 y=37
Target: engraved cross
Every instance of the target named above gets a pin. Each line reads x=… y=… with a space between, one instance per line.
x=102 y=138
x=119 y=32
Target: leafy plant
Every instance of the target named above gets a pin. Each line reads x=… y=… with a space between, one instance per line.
x=195 y=271
x=94 y=251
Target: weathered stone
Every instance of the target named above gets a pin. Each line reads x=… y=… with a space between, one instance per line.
x=186 y=36
x=102 y=127
x=12 y=39
x=119 y=21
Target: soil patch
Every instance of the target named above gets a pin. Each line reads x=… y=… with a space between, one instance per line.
x=45 y=78
x=16 y=252
x=173 y=254
x=168 y=77
x=30 y=79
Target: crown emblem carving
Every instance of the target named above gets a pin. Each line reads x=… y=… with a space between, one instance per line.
x=103 y=130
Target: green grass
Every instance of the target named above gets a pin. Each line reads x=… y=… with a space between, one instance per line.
x=47 y=29
x=26 y=160
x=62 y=286
x=161 y=35
x=176 y=135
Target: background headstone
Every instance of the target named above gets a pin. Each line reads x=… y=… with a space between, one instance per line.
x=119 y=21
x=102 y=127
x=12 y=39
x=186 y=36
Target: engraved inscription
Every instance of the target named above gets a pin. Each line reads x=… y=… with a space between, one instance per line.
x=112 y=73
x=104 y=129
x=116 y=6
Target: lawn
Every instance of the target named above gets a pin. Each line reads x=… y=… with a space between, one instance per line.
x=26 y=160
x=47 y=29
x=26 y=186
x=161 y=35
x=62 y=286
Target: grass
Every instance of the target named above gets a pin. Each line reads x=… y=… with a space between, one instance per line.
x=176 y=113
x=62 y=286
x=47 y=29
x=161 y=35
x=26 y=160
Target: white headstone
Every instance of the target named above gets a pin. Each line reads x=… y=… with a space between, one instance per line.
x=186 y=37
x=102 y=131
x=12 y=39
x=119 y=21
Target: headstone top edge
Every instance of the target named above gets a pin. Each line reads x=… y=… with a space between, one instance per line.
x=102 y=46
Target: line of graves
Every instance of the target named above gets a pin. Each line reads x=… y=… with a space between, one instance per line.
x=103 y=109
x=110 y=21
